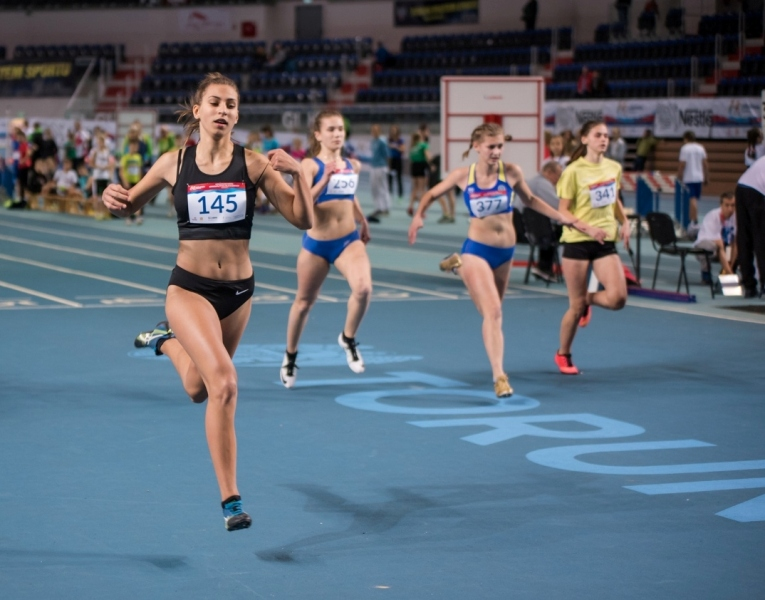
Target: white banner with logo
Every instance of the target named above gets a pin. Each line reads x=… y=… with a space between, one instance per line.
x=708 y=118
x=204 y=20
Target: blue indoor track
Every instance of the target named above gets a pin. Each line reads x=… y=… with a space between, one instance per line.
x=644 y=478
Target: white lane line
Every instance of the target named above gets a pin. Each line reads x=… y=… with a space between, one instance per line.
x=133 y=261
x=24 y=290
x=86 y=274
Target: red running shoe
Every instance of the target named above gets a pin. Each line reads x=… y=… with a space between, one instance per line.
x=584 y=320
x=565 y=365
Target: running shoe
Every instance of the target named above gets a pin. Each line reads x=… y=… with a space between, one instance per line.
x=352 y=354
x=287 y=372
x=584 y=320
x=451 y=263
x=151 y=339
x=234 y=516
x=502 y=387
x=565 y=365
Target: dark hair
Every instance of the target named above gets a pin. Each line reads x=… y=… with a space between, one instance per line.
x=483 y=130
x=583 y=132
x=186 y=112
x=315 y=145
x=726 y=195
x=689 y=136
x=753 y=136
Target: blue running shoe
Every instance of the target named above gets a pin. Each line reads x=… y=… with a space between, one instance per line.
x=234 y=516
x=151 y=339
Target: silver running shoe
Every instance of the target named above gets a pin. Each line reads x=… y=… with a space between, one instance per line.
x=288 y=372
x=352 y=354
x=150 y=339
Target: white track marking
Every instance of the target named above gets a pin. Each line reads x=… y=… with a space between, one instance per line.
x=24 y=290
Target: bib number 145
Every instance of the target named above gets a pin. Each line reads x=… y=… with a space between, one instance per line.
x=217 y=202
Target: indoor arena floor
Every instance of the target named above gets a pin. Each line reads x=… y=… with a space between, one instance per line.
x=642 y=478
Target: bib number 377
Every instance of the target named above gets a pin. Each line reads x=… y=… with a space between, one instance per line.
x=213 y=203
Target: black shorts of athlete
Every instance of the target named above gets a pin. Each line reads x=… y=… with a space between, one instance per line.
x=418 y=168
x=225 y=296
x=588 y=251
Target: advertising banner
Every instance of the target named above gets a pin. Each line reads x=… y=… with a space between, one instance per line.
x=708 y=118
x=416 y=13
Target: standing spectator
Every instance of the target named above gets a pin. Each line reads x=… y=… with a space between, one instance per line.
x=131 y=172
x=165 y=142
x=70 y=151
x=36 y=141
x=645 y=149
x=418 y=169
x=529 y=15
x=754 y=147
x=24 y=166
x=379 y=166
x=269 y=141
x=623 y=13
x=254 y=142
x=716 y=234
x=693 y=171
x=296 y=149
x=649 y=16
x=396 y=149
x=49 y=150
x=617 y=147
x=102 y=163
x=750 y=221
x=584 y=83
x=445 y=200
x=81 y=143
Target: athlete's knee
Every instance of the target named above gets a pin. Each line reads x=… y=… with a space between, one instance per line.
x=224 y=390
x=578 y=306
x=616 y=301
x=361 y=290
x=303 y=304
x=493 y=313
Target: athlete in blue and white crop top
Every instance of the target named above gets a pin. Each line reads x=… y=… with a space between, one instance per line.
x=495 y=200
x=342 y=184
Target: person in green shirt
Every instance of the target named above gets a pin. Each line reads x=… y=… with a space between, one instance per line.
x=131 y=171
x=418 y=168
x=645 y=147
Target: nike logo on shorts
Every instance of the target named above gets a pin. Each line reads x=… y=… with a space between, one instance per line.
x=241 y=292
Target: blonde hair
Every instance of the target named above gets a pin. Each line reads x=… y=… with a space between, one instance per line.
x=186 y=112
x=485 y=130
x=314 y=147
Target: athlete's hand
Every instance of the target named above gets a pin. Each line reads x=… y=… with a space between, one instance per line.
x=283 y=162
x=364 y=233
x=598 y=234
x=414 y=227
x=116 y=199
x=626 y=230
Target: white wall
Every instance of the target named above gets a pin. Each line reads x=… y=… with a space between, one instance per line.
x=141 y=30
x=38 y=107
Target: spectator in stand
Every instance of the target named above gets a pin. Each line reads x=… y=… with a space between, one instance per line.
x=598 y=85
x=750 y=221
x=584 y=83
x=36 y=141
x=36 y=181
x=24 y=166
x=396 y=149
x=102 y=162
x=617 y=147
x=81 y=143
x=269 y=141
x=277 y=57
x=529 y=15
x=754 y=147
x=570 y=142
x=557 y=150
x=70 y=151
x=378 y=168
x=646 y=146
x=383 y=58
x=693 y=172
x=166 y=141
x=254 y=142
x=623 y=13
x=716 y=234
x=647 y=19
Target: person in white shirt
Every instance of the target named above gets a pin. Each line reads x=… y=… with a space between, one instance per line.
x=750 y=217
x=693 y=171
x=617 y=148
x=716 y=234
x=64 y=180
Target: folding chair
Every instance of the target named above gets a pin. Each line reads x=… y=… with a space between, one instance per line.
x=539 y=232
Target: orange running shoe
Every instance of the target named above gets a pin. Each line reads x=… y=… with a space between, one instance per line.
x=565 y=365
x=584 y=320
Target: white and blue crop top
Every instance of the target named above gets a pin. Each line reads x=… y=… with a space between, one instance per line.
x=486 y=202
x=342 y=185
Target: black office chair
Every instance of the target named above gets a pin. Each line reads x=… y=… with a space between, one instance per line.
x=540 y=233
x=664 y=240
